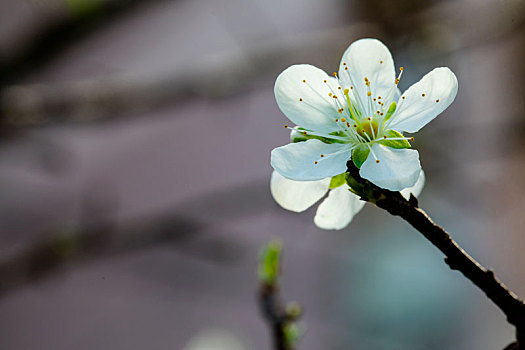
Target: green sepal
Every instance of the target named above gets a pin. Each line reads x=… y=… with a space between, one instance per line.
x=337 y=181
x=390 y=111
x=297 y=136
x=398 y=144
x=359 y=154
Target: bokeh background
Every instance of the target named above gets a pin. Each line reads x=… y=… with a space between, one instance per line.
x=134 y=175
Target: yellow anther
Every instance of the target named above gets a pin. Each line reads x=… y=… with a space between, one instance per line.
x=343 y=120
x=403 y=97
x=316 y=162
x=338 y=88
x=368 y=118
x=384 y=136
x=397 y=81
x=369 y=93
x=381 y=114
x=329 y=94
x=322 y=155
x=347 y=124
x=378 y=97
x=344 y=63
x=380 y=61
x=412 y=139
x=346 y=68
x=335 y=74
x=286 y=126
x=401 y=68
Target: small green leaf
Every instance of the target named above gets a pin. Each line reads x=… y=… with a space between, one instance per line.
x=269 y=263
x=337 y=181
x=390 y=111
x=359 y=154
x=394 y=143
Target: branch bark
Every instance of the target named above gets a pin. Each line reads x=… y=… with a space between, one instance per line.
x=455 y=257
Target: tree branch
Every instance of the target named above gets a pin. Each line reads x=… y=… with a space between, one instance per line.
x=455 y=257
x=280 y=318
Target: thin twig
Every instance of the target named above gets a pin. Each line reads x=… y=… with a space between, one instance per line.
x=455 y=257
x=274 y=314
x=280 y=318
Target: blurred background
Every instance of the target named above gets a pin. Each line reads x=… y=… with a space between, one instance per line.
x=134 y=175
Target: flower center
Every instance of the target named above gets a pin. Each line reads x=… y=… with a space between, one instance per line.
x=367 y=129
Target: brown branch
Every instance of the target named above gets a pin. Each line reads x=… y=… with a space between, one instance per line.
x=455 y=257
x=275 y=315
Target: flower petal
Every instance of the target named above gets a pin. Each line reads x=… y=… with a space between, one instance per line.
x=417 y=188
x=303 y=96
x=297 y=161
x=425 y=100
x=368 y=58
x=338 y=209
x=397 y=168
x=297 y=196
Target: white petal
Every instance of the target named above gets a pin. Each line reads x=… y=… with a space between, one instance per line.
x=397 y=168
x=363 y=59
x=417 y=188
x=425 y=100
x=338 y=209
x=297 y=196
x=303 y=96
x=296 y=161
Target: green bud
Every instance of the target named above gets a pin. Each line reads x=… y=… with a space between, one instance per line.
x=269 y=264
x=292 y=333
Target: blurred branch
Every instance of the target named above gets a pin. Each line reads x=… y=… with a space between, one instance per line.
x=222 y=75
x=99 y=237
x=69 y=21
x=455 y=257
x=47 y=256
x=280 y=319
x=214 y=76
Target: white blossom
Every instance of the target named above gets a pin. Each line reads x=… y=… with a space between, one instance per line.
x=357 y=114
